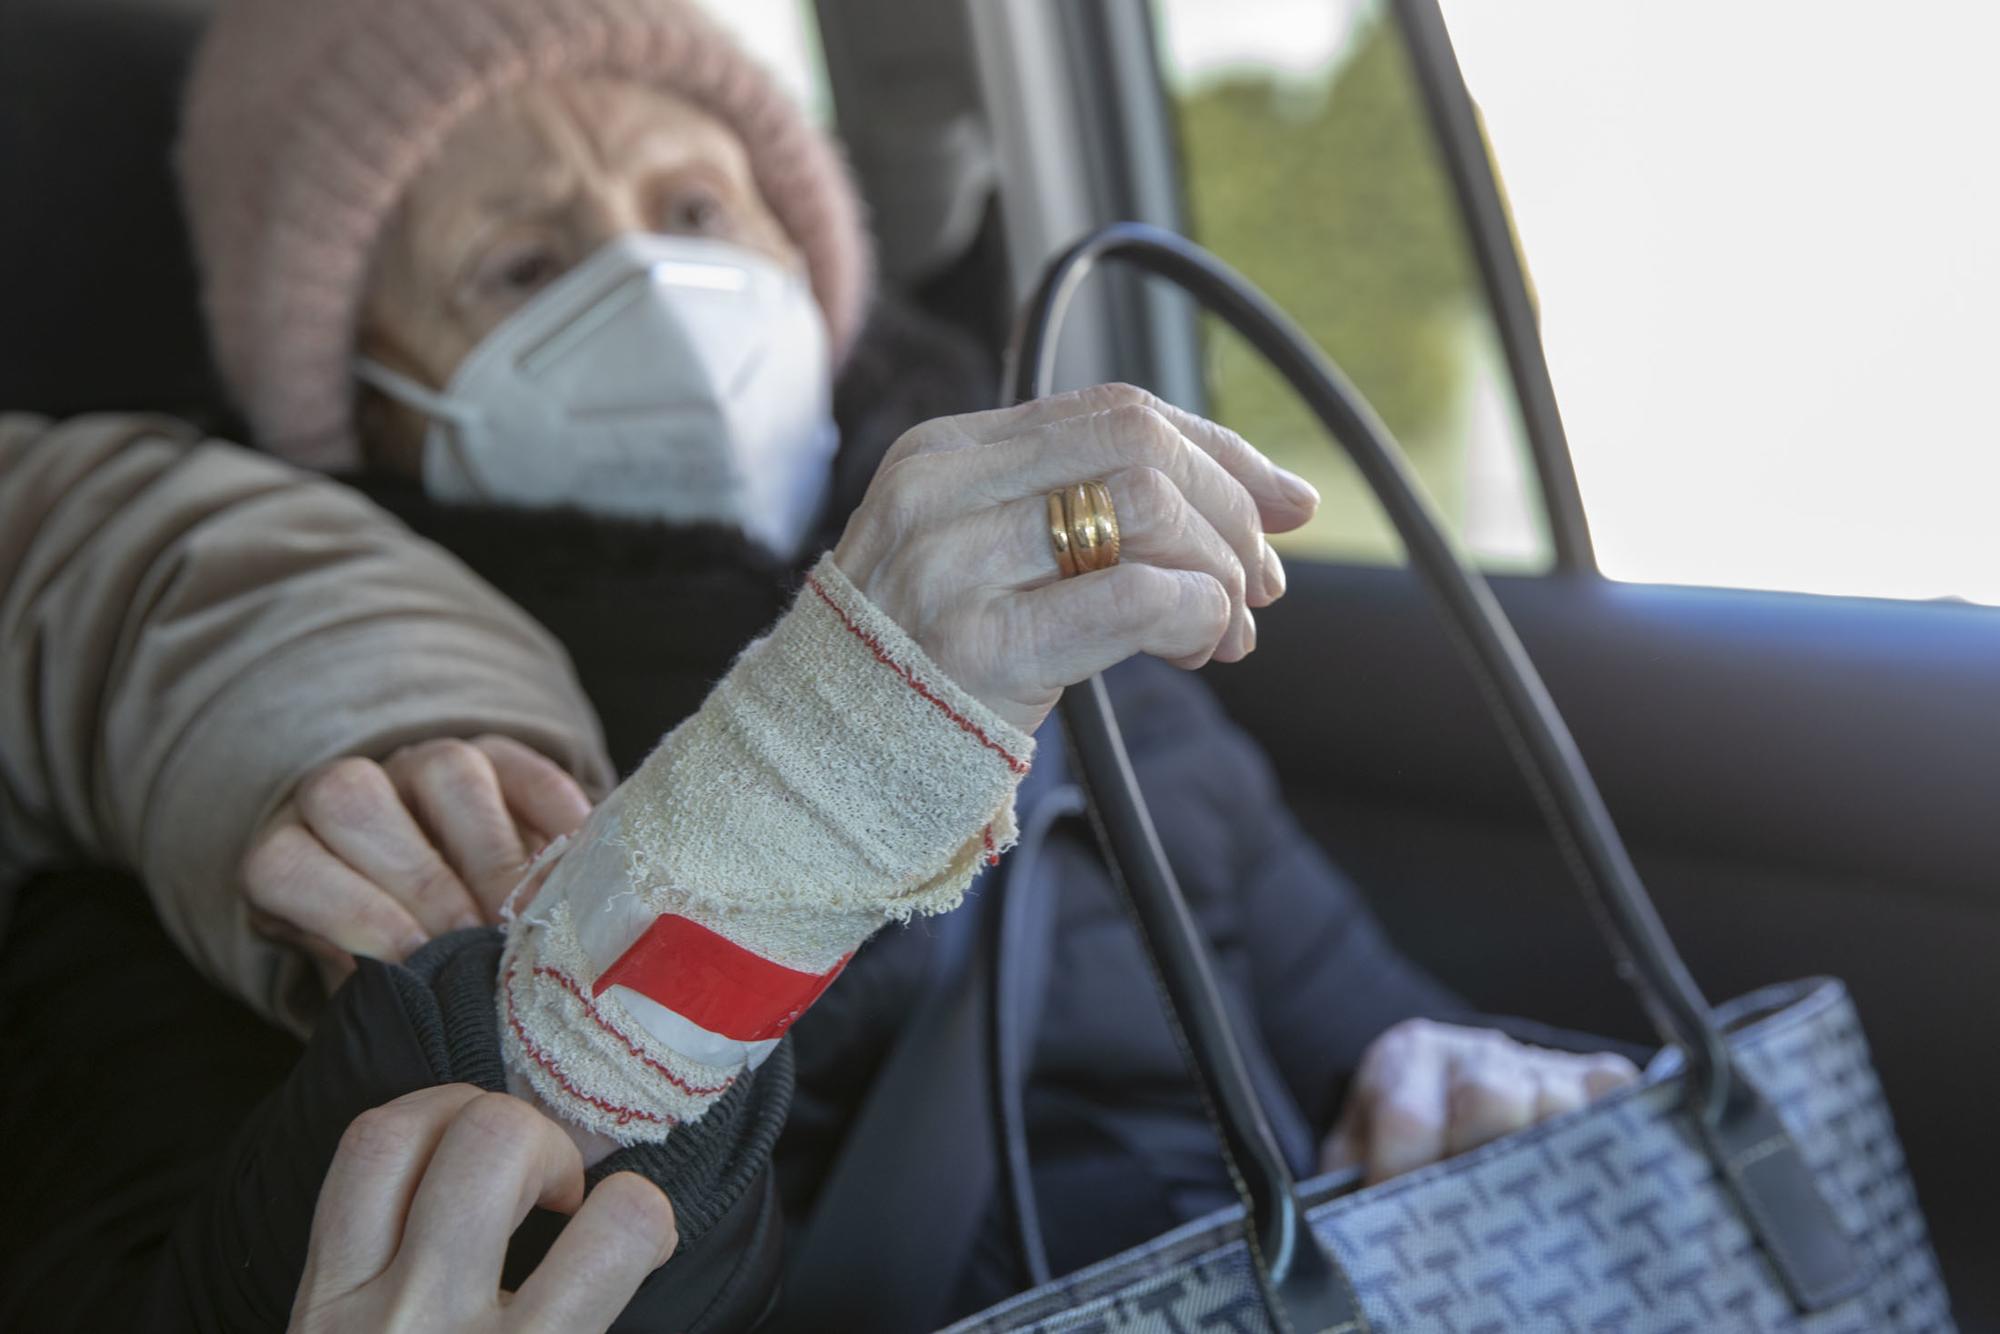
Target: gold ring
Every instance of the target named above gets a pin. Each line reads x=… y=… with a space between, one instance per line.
x=1107 y=523
x=1059 y=535
x=1093 y=526
x=1083 y=536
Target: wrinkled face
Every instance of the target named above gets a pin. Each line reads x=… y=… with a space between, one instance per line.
x=519 y=193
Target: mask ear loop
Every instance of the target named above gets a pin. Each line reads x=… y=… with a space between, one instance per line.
x=444 y=412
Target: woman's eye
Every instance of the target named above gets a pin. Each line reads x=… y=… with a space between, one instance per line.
x=693 y=213
x=523 y=271
x=529 y=271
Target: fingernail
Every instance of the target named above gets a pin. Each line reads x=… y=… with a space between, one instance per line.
x=1297 y=489
x=1274 y=573
x=1249 y=633
x=412 y=943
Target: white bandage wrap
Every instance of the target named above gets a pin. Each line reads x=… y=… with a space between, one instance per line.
x=834 y=780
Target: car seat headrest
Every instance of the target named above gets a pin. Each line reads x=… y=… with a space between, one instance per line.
x=98 y=302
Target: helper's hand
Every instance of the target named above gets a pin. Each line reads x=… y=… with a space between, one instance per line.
x=1426 y=1091
x=952 y=541
x=376 y=859
x=412 y=1224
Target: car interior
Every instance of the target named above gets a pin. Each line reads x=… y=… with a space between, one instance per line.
x=1807 y=782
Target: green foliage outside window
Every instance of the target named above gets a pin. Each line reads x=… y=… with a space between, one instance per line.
x=1331 y=199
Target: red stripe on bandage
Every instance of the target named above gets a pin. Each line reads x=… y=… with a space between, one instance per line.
x=714 y=983
x=568 y=983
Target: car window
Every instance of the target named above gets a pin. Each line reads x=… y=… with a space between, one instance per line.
x=1766 y=242
x=784 y=35
x=1308 y=164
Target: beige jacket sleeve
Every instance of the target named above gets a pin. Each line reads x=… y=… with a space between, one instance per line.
x=188 y=628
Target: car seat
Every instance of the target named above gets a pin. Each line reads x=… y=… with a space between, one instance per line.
x=98 y=303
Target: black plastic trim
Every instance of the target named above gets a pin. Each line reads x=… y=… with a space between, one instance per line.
x=1489 y=232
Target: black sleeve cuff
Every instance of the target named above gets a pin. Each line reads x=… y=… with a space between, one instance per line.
x=237 y=1253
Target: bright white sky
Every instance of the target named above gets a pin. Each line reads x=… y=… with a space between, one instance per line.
x=1199 y=38
x=1766 y=239
x=783 y=35
x=1766 y=242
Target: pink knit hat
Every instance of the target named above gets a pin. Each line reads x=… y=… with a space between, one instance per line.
x=306 y=120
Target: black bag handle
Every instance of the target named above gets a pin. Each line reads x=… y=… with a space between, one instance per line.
x=1302 y=1287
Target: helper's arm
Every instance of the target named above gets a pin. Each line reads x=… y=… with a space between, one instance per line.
x=187 y=628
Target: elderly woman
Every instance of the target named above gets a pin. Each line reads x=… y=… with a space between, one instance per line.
x=570 y=286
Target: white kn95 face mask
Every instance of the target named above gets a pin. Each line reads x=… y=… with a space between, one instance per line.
x=665 y=377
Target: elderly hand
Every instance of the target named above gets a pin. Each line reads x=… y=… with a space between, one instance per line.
x=952 y=542
x=1426 y=1090
x=376 y=859
x=413 y=1221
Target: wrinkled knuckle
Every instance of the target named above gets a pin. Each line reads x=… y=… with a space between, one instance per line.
x=379 y=930
x=1489 y=1095
x=898 y=494
x=456 y=766
x=421 y=752
x=1408 y=1035
x=550 y=783
x=1234 y=578
x=432 y=882
x=1400 y=1120
x=452 y=753
x=494 y=746
x=1119 y=394
x=1608 y=1071
x=1241 y=508
x=520 y=766
x=382 y=1134
x=893 y=482
x=1153 y=498
x=272 y=861
x=347 y=791
x=918 y=440
x=501 y=1118
x=1209 y=606
x=635 y=1206
x=1142 y=434
x=1230 y=438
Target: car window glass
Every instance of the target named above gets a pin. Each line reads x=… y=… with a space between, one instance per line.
x=1308 y=165
x=1766 y=242
x=784 y=36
